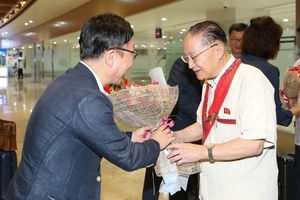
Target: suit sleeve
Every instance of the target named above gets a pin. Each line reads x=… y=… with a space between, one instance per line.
x=96 y=128
x=284 y=117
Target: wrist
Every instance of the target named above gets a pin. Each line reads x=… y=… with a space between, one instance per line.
x=295 y=110
x=210 y=148
x=175 y=134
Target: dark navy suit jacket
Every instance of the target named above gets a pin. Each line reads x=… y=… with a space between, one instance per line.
x=284 y=117
x=70 y=130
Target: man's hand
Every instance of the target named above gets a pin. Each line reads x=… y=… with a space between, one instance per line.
x=184 y=152
x=163 y=135
x=141 y=134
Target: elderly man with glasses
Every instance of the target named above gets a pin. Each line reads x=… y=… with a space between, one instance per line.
x=236 y=121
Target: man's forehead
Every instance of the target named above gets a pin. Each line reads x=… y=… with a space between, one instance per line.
x=191 y=44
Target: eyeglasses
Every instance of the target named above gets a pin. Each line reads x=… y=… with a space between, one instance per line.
x=187 y=58
x=134 y=52
x=235 y=40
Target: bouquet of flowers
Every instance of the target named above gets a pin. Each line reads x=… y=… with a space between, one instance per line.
x=140 y=106
x=150 y=105
x=291 y=85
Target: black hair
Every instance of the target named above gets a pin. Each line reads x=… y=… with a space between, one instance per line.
x=238 y=27
x=103 y=32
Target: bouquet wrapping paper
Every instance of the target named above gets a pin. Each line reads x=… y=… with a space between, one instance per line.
x=150 y=105
x=144 y=105
x=291 y=82
x=291 y=86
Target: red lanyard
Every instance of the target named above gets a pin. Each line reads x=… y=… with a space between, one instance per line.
x=208 y=119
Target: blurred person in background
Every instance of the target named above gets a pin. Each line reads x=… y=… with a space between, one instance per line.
x=236 y=32
x=261 y=43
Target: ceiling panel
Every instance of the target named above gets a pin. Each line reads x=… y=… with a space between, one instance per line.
x=180 y=14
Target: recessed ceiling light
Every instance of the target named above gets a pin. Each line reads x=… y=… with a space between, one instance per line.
x=285 y=20
x=163 y=19
x=25 y=23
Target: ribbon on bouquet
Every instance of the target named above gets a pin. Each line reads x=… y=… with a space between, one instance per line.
x=284 y=98
x=164 y=121
x=167 y=121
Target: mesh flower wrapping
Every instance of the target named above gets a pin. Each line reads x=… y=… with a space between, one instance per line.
x=291 y=82
x=163 y=166
x=142 y=106
x=147 y=105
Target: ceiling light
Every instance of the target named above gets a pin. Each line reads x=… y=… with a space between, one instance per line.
x=163 y=19
x=22 y=3
x=285 y=20
x=14 y=11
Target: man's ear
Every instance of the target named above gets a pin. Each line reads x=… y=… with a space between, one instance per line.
x=109 y=58
x=220 y=51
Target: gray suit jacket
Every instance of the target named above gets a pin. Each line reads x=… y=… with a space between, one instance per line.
x=70 y=130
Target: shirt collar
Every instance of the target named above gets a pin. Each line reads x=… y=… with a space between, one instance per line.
x=101 y=88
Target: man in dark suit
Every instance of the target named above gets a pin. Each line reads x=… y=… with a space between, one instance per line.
x=183 y=114
x=72 y=127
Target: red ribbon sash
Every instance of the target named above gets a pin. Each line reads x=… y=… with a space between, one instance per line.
x=209 y=118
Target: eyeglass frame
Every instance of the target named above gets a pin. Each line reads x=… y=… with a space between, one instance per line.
x=236 y=40
x=187 y=58
x=134 y=52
